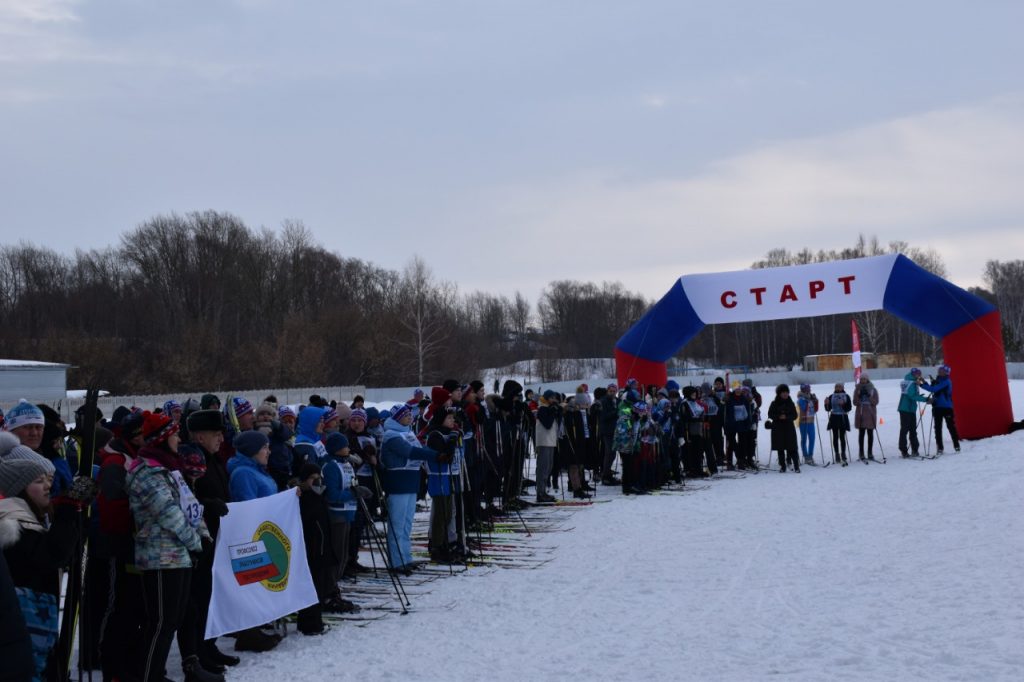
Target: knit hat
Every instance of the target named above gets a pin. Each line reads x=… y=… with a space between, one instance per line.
x=417 y=394
x=916 y=372
x=344 y=411
x=241 y=405
x=944 y=369
x=193 y=464
x=399 y=411
x=706 y=389
x=451 y=385
x=371 y=414
x=583 y=399
x=671 y=385
x=781 y=388
x=359 y=414
x=330 y=414
x=549 y=395
x=205 y=420
x=157 y=428
x=23 y=414
x=385 y=415
x=805 y=388
x=131 y=425
x=171 y=405
x=208 y=401
x=266 y=412
x=689 y=391
x=249 y=443
x=749 y=383
x=335 y=442
x=839 y=385
x=476 y=385
x=16 y=473
x=12 y=449
x=285 y=411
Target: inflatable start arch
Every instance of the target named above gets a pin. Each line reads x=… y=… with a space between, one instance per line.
x=969 y=326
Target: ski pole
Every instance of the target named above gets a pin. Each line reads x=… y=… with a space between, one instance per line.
x=880 y=446
x=403 y=598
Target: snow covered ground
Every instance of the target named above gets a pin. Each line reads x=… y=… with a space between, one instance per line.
x=910 y=570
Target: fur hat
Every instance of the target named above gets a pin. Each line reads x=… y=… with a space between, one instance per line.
x=205 y=420
x=23 y=414
x=249 y=443
x=335 y=442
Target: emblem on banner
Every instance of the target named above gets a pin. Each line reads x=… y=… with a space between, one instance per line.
x=265 y=560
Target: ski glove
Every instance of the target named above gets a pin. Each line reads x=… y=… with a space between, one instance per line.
x=83 y=490
x=363 y=492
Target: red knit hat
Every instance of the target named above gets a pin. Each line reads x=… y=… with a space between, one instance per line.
x=156 y=428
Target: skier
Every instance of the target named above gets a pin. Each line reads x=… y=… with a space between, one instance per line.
x=691 y=430
x=910 y=396
x=739 y=407
x=865 y=417
x=838 y=406
x=549 y=420
x=807 y=402
x=941 y=398
x=782 y=416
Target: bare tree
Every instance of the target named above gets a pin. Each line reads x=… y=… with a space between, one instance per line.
x=427 y=310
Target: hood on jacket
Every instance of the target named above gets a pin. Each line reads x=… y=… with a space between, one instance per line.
x=307 y=422
x=240 y=460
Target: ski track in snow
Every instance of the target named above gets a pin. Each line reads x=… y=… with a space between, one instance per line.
x=909 y=570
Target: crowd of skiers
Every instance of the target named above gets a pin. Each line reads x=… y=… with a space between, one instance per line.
x=149 y=498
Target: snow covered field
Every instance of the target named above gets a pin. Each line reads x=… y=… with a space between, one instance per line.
x=910 y=570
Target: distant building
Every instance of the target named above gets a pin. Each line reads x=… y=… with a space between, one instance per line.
x=843 y=361
x=34 y=381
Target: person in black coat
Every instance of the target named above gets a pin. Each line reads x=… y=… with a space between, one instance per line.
x=782 y=416
x=838 y=406
x=316 y=531
x=15 y=646
x=609 y=415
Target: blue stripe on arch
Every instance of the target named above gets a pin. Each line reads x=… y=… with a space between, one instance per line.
x=664 y=329
x=929 y=302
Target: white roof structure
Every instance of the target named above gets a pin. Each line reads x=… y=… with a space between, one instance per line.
x=32 y=380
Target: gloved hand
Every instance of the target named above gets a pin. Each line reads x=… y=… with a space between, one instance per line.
x=363 y=492
x=768 y=424
x=83 y=490
x=355 y=460
x=216 y=506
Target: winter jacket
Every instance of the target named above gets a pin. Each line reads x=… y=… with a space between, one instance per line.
x=739 y=414
x=308 y=447
x=15 y=645
x=164 y=537
x=549 y=418
x=316 y=529
x=248 y=480
x=439 y=475
x=402 y=458
x=714 y=410
x=838 y=406
x=866 y=401
x=783 y=413
x=941 y=390
x=281 y=455
x=339 y=479
x=609 y=414
x=808 y=405
x=213 y=490
x=691 y=419
x=910 y=395
x=115 y=514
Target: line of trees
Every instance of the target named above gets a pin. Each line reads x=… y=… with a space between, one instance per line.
x=198 y=301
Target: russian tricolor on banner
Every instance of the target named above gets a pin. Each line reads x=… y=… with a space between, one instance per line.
x=968 y=325
x=251 y=563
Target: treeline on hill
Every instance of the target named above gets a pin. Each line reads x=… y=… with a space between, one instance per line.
x=201 y=301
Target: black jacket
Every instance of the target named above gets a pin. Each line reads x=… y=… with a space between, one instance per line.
x=15 y=646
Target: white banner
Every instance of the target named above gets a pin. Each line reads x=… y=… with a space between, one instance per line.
x=259 y=566
x=848 y=286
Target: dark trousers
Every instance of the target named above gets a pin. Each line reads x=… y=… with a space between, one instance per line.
x=310 y=619
x=908 y=428
x=165 y=593
x=945 y=414
x=790 y=457
x=609 y=452
x=714 y=447
x=871 y=441
x=839 y=444
x=123 y=619
x=355 y=537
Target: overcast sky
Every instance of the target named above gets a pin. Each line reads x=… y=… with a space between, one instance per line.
x=514 y=142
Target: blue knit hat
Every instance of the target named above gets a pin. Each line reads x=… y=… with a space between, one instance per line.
x=372 y=413
x=171 y=405
x=249 y=443
x=671 y=385
x=23 y=414
x=335 y=442
x=399 y=411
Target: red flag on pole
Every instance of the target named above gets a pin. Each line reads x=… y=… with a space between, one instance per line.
x=856 y=352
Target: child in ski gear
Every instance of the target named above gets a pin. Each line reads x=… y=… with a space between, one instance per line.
x=807 y=403
x=782 y=416
x=691 y=431
x=866 y=415
x=941 y=398
x=339 y=478
x=316 y=531
x=910 y=396
x=838 y=406
x=444 y=438
x=739 y=411
x=714 y=436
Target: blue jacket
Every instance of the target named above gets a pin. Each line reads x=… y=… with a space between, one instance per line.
x=341 y=501
x=402 y=460
x=739 y=414
x=308 y=447
x=910 y=396
x=249 y=481
x=942 y=392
